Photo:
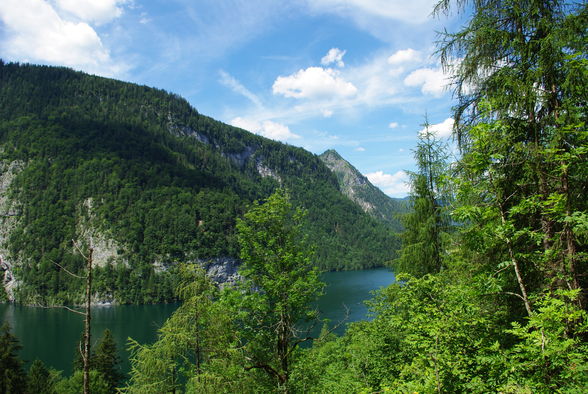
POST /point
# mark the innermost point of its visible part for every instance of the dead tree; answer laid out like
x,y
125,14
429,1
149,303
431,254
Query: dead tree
x,y
85,350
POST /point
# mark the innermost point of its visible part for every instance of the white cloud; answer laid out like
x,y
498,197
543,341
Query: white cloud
x,y
144,18
432,81
413,12
35,32
267,128
394,185
405,56
314,83
327,113
393,125
94,11
441,130
236,86
360,149
335,55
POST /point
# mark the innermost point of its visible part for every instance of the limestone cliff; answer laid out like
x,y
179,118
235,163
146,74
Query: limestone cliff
x,y
360,190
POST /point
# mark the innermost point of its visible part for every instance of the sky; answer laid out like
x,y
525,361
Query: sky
x,y
357,76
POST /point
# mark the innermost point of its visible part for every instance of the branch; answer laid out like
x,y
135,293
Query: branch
x,y
79,250
502,269
265,367
64,307
68,272
512,294
339,323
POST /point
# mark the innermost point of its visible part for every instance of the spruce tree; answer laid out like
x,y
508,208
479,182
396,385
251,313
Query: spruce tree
x,y
39,379
520,74
427,224
12,376
107,361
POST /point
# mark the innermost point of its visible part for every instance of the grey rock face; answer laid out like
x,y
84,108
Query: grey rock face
x,y
223,270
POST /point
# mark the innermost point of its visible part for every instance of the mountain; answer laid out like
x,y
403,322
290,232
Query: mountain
x,y
150,182
360,190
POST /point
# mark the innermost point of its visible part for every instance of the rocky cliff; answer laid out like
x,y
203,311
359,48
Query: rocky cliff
x,y
360,190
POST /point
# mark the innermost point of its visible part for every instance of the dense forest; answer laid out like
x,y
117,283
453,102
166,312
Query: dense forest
x,y
492,273
151,183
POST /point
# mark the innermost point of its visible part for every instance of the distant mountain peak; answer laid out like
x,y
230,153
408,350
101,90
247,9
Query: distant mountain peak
x,y
360,190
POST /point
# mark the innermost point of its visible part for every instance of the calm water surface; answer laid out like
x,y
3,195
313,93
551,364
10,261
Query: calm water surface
x,y
51,335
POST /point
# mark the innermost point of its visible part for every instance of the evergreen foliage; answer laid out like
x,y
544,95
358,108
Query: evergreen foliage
x,y
507,311
40,379
144,172
426,227
196,347
107,361
12,376
497,304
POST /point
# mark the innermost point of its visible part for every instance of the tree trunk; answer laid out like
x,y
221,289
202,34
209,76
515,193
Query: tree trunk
x,y
515,264
86,355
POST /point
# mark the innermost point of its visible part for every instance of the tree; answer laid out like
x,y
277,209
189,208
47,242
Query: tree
x,y
280,283
195,346
425,227
41,380
75,384
520,73
12,376
107,361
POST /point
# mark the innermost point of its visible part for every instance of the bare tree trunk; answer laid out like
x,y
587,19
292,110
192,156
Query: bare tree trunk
x,y
515,264
86,355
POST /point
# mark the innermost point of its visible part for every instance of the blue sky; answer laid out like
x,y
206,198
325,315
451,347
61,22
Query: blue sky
x,y
356,76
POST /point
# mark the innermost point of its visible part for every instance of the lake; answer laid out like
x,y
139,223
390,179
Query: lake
x,y
51,335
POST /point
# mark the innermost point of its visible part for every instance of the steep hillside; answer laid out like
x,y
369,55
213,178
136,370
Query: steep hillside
x,y
150,181
360,190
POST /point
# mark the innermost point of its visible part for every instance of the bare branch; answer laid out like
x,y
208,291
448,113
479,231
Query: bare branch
x,y
64,307
67,271
79,250
513,294
502,269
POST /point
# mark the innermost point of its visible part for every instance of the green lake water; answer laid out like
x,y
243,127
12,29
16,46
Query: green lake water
x,y
51,335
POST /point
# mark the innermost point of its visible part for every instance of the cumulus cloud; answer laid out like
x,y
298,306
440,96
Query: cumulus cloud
x,y
236,86
394,185
314,83
441,130
335,55
405,56
432,81
360,149
99,12
393,125
267,128
35,32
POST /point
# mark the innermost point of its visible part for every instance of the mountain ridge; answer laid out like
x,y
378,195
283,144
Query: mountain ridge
x,y
157,182
359,189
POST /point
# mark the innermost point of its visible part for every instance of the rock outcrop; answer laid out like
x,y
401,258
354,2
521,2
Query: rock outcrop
x,y
360,190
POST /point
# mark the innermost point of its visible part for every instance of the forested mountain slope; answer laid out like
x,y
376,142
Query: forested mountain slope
x,y
151,182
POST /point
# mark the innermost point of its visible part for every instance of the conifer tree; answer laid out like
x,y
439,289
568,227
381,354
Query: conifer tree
x,y
40,379
520,74
107,361
427,224
12,375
